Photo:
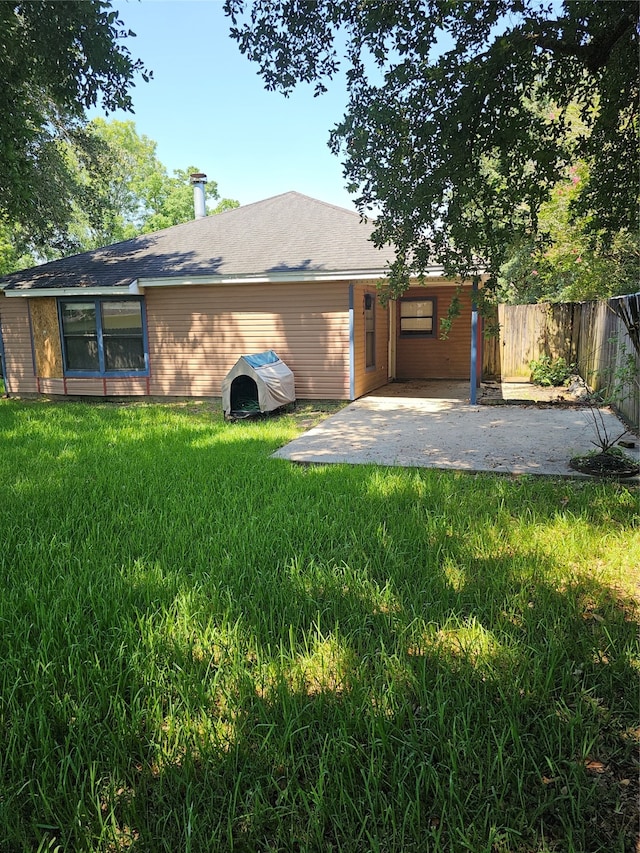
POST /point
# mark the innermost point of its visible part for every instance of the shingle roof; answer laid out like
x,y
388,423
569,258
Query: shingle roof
x,y
287,233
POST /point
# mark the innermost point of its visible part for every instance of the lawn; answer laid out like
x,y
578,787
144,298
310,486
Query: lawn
x,y
206,649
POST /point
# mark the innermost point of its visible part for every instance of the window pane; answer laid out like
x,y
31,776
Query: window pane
x,y
122,336
80,336
370,355
416,308
417,324
121,318
79,318
82,352
123,353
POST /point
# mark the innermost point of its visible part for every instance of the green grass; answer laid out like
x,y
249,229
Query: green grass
x,y
205,649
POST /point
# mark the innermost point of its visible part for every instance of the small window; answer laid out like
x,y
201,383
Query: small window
x,y
369,330
103,337
417,316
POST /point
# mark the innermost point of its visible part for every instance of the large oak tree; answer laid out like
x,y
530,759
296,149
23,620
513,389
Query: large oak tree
x,y
56,60
456,128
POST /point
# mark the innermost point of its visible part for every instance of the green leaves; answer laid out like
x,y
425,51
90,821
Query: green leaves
x,y
134,188
459,90
110,186
56,60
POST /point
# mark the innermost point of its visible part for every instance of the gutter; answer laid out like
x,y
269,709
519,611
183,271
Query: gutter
x,y
138,285
293,277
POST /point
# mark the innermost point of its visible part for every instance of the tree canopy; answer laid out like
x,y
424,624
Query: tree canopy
x,y
132,192
457,127
56,60
121,191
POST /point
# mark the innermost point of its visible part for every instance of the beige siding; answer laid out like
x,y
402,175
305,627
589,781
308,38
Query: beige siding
x,y
95,387
196,334
16,335
127,387
90,387
51,387
366,379
433,358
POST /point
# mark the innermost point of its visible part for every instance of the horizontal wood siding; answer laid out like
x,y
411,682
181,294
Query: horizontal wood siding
x,y
51,387
93,387
432,357
16,335
196,335
127,387
367,380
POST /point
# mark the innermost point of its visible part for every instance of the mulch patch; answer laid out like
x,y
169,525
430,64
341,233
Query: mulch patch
x,y
605,465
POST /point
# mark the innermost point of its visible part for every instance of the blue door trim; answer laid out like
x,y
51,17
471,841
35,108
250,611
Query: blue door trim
x,y
352,348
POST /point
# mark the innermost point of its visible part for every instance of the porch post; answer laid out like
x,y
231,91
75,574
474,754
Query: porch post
x,y
474,342
3,366
352,346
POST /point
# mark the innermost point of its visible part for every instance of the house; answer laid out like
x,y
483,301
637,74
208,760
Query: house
x,y
168,314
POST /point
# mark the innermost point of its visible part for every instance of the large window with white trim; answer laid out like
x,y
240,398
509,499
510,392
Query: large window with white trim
x,y
103,337
417,317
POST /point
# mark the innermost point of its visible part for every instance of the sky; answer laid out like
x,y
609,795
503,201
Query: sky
x,y
207,107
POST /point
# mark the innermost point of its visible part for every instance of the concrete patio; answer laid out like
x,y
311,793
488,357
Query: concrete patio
x,y
427,424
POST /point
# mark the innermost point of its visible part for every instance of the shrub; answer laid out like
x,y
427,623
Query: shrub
x,y
546,372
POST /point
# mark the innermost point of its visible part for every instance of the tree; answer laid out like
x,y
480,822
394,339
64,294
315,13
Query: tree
x,y
118,188
132,192
56,60
563,265
174,203
444,136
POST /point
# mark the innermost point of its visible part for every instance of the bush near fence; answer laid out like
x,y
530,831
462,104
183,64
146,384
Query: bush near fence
x,y
591,335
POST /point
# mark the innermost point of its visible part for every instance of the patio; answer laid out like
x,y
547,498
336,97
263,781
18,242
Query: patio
x,y
429,424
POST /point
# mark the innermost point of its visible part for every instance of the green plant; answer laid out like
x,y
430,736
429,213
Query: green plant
x,y
550,372
609,462
619,383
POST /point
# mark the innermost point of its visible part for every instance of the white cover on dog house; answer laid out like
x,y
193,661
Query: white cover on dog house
x,y
257,383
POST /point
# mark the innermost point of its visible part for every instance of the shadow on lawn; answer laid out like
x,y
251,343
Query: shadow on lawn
x,y
320,658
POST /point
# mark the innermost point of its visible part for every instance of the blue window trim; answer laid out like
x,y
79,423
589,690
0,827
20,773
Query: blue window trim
x,y
98,301
432,333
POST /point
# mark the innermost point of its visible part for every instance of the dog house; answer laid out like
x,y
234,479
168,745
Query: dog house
x,y
257,383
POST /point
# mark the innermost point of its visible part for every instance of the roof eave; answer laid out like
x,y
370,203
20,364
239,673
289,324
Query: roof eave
x,y
138,285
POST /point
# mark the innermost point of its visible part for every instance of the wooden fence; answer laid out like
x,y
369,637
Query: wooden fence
x,y
591,335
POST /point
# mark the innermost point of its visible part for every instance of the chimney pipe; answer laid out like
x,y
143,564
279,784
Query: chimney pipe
x,y
198,180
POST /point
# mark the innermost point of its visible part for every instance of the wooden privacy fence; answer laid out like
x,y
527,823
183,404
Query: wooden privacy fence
x,y
591,335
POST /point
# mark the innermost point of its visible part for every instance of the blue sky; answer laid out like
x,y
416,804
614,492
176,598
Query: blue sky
x,y
207,107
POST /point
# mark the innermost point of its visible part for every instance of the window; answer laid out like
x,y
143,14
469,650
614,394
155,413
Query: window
x,y
103,336
417,317
369,330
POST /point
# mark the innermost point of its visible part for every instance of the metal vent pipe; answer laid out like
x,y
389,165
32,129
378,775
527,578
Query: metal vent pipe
x,y
198,180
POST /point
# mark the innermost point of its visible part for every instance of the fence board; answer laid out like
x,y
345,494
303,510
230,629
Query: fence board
x,y
591,335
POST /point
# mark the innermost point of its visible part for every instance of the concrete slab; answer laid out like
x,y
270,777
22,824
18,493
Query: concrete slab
x,y
446,432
